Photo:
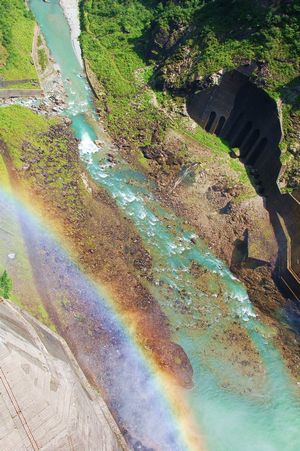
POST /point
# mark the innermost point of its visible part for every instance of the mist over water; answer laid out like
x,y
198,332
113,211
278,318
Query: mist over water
x,y
235,409
134,392
228,418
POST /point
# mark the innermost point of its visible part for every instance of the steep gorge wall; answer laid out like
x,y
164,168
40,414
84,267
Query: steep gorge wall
x,y
247,118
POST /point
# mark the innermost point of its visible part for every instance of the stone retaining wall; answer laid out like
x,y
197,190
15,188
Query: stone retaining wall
x,y
7,83
7,93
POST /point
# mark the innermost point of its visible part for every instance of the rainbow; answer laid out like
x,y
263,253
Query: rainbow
x,y
148,405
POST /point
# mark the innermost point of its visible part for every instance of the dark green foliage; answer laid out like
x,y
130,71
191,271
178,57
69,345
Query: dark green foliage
x,y
219,34
42,58
5,285
222,34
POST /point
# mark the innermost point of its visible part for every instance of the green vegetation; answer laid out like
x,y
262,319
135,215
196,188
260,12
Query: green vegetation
x,y
5,285
133,45
19,125
208,140
42,147
16,34
225,34
40,40
110,33
218,35
219,146
43,60
3,172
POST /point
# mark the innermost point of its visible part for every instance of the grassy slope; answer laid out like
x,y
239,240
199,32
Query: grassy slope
x,y
23,132
16,33
110,33
42,144
225,34
18,125
188,39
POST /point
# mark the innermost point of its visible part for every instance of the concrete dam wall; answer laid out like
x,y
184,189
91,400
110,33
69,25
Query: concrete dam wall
x,y
248,118
46,402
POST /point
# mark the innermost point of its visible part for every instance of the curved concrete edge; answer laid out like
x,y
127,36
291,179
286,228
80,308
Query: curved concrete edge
x,y
36,329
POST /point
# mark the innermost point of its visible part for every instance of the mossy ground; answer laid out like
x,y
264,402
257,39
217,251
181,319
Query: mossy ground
x,y
18,125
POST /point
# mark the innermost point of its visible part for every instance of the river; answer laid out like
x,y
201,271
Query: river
x,y
243,398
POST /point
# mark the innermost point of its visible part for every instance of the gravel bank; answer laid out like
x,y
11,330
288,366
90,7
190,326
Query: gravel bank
x,y
71,12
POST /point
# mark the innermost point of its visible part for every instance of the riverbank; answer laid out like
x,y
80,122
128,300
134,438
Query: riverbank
x,y
217,199
78,209
50,100
71,11
230,217
219,203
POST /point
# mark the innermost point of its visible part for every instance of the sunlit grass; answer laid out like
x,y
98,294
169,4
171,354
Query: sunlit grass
x,y
19,64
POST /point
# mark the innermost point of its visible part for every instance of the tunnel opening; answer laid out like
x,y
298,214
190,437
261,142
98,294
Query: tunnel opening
x,y
220,125
243,134
256,153
234,127
210,121
251,141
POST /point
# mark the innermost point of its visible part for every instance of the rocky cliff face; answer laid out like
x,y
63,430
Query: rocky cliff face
x,y
194,44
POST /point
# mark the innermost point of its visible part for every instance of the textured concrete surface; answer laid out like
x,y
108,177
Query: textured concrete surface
x,y
46,402
248,118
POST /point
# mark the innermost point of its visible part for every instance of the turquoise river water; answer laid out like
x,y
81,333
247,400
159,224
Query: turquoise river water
x,y
237,410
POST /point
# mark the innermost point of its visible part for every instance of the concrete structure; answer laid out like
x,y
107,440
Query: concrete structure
x,y
46,402
285,216
247,118
11,93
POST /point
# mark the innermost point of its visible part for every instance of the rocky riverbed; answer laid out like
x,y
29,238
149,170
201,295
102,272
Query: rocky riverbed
x,y
231,218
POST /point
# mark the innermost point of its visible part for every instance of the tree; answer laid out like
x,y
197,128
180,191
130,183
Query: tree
x,y
5,285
